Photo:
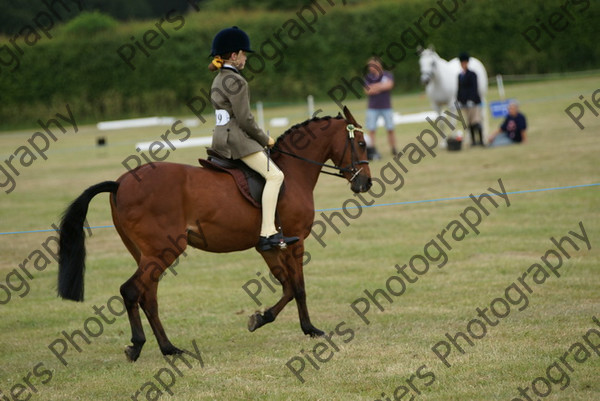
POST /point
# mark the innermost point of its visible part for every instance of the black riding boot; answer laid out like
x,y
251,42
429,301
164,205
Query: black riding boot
x,y
476,132
479,131
275,241
472,130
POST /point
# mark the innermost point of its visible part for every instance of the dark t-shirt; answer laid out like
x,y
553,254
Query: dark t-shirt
x,y
514,126
381,100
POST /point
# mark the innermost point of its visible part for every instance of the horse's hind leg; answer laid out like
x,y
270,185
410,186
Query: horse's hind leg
x,y
141,290
131,295
149,304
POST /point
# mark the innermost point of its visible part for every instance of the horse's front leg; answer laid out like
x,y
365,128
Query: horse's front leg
x,y
278,262
286,266
300,295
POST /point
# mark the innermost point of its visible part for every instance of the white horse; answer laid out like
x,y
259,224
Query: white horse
x,y
441,80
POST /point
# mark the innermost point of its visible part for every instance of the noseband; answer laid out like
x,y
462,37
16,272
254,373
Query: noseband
x,y
354,162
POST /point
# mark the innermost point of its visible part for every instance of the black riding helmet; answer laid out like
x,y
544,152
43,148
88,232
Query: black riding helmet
x,y
230,40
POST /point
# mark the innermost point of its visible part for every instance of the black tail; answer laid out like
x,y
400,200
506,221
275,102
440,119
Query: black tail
x,y
71,248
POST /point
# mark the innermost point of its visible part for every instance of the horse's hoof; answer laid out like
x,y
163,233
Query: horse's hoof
x,y
132,353
254,321
172,350
314,332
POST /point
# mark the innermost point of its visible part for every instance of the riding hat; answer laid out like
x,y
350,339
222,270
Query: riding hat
x,y
230,40
464,56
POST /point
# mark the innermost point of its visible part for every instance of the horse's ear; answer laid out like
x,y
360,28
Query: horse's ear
x,y
349,117
420,50
431,47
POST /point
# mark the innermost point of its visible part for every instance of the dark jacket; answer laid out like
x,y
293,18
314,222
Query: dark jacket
x,y
236,134
467,88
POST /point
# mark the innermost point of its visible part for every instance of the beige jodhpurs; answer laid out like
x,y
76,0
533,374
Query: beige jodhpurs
x,y
274,178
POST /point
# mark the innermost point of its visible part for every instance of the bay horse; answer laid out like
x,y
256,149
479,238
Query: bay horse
x,y
160,208
440,78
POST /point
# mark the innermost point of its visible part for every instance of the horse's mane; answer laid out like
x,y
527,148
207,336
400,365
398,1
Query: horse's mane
x,y
293,128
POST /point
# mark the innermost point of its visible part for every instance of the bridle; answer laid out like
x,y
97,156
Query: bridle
x,y
354,162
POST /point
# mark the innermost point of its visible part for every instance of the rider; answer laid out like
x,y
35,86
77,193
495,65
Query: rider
x,y
236,135
469,99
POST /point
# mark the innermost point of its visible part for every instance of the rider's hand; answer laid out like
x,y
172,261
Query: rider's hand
x,y
271,142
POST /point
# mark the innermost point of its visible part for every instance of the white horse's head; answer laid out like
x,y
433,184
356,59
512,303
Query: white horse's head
x,y
427,61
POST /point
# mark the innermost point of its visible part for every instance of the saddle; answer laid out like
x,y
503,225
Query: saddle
x,y
249,182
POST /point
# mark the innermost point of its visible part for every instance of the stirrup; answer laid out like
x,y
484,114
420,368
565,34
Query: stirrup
x,y
275,240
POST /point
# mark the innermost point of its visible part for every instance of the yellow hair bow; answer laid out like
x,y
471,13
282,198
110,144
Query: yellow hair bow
x,y
217,62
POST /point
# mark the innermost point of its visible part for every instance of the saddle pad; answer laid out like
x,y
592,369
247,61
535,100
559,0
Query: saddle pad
x,y
253,196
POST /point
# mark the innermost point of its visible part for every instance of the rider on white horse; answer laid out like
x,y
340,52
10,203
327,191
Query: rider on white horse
x,y
440,78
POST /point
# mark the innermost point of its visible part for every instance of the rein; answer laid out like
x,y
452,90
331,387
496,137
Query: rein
x,y
350,169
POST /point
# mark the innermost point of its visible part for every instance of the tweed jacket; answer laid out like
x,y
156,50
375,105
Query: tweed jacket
x,y
236,133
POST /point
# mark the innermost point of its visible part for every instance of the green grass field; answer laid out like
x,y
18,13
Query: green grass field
x,y
205,304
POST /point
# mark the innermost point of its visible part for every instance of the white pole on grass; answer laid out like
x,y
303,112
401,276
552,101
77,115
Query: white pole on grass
x,y
311,105
261,115
500,84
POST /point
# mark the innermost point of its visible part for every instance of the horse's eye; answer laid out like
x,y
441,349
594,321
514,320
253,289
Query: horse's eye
x,y
362,144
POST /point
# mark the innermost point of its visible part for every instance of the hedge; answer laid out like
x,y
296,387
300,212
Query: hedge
x,y
82,67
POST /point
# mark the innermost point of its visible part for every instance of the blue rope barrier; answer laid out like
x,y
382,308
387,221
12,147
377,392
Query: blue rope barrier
x,y
365,206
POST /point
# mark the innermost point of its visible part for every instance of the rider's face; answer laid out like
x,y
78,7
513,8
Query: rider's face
x,y
239,59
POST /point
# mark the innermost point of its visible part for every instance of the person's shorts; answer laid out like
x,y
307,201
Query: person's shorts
x,y
473,114
374,114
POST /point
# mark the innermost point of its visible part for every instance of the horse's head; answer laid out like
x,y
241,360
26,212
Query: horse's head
x,y
349,152
427,62
339,139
